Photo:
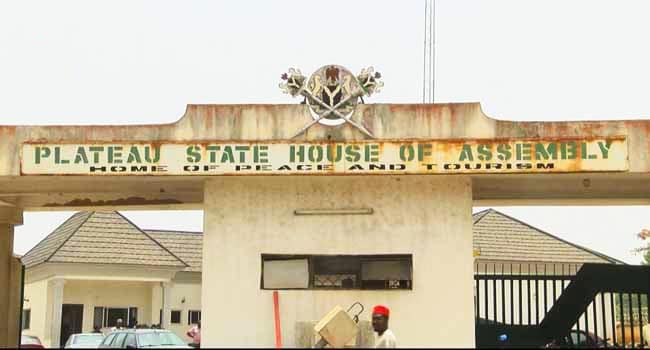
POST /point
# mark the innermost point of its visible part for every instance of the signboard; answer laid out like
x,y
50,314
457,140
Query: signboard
x,y
349,158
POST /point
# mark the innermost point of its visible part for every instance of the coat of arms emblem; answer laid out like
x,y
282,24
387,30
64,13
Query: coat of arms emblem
x,y
332,93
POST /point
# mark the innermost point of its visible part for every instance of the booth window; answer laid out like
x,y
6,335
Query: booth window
x,y
378,272
193,317
176,317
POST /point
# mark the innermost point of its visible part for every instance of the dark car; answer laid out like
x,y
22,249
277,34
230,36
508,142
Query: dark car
x,y
491,334
143,339
579,339
30,342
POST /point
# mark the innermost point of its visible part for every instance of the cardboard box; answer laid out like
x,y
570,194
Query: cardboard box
x,y
337,328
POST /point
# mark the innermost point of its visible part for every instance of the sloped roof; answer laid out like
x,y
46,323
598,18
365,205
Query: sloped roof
x,y
186,245
101,237
478,216
107,237
498,236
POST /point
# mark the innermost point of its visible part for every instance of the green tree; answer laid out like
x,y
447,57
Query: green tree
x,y
645,251
624,298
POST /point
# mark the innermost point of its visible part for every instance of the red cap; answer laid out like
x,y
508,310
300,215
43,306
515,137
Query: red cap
x,y
380,309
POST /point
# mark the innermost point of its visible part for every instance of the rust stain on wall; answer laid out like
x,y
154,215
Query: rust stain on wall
x,y
87,202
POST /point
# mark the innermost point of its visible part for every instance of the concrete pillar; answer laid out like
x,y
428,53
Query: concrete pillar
x,y
156,303
15,302
429,217
9,281
167,301
56,302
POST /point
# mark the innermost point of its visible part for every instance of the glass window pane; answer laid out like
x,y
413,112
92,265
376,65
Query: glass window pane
x,y
114,315
193,317
386,270
27,316
286,273
151,339
98,317
119,339
133,317
176,316
330,265
88,339
130,340
108,339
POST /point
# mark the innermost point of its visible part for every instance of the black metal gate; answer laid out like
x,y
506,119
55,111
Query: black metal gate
x,y
532,305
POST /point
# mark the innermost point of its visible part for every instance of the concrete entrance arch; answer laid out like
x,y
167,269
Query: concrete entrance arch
x,y
406,185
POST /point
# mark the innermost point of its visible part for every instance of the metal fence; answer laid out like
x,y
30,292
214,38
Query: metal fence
x,y
512,295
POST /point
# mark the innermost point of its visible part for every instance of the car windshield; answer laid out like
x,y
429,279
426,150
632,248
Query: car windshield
x,y
28,340
580,338
159,339
88,339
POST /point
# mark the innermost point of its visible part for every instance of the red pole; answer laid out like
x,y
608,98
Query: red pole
x,y
276,309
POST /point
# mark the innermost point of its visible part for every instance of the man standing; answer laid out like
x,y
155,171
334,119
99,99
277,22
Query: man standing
x,y
386,337
119,325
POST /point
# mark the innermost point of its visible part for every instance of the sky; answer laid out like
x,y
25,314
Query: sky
x,y
141,62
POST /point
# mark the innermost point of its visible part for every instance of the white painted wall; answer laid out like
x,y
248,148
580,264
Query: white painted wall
x,y
185,296
42,299
188,288
427,216
113,294
36,300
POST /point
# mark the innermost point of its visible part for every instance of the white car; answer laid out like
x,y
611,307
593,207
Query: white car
x,y
143,339
84,341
